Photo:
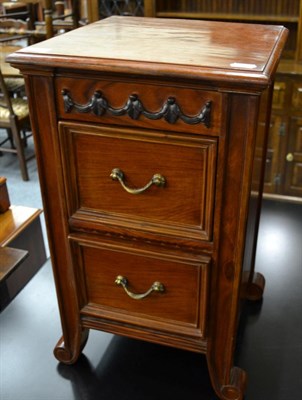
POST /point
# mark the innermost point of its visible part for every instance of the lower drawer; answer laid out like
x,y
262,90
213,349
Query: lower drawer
x,y
142,286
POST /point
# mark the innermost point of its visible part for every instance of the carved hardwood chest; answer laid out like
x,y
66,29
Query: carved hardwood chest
x,y
145,131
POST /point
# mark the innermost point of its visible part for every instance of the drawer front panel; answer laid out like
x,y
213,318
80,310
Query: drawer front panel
x,y
183,205
182,301
142,105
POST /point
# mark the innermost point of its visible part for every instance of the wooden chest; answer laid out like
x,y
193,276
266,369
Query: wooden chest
x,y
145,131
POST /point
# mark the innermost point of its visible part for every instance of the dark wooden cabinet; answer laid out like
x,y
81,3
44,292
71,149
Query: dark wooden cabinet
x,y
293,170
283,176
151,156
287,109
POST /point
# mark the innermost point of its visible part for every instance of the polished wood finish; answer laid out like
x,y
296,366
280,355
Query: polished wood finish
x,y
14,221
274,12
180,309
10,259
283,177
196,234
190,160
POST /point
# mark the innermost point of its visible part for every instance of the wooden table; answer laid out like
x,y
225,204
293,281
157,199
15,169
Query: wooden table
x,y
10,259
15,221
20,237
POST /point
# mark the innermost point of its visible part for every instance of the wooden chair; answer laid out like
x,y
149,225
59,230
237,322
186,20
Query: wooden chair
x,y
21,25
14,119
15,86
12,9
12,29
59,17
26,11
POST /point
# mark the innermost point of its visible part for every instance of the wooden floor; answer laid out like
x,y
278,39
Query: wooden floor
x,y
114,368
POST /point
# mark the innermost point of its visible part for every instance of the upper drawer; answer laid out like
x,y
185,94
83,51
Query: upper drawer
x,y
140,104
143,180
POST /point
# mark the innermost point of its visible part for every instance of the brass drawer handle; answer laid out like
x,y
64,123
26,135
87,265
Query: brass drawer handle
x,y
157,179
156,287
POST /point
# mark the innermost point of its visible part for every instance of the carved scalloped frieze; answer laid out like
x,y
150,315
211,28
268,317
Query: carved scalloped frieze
x,y
134,108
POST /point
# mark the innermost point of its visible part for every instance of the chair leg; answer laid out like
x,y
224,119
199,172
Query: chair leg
x,y
10,138
20,151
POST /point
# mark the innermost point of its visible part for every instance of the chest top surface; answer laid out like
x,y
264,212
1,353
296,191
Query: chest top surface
x,y
164,46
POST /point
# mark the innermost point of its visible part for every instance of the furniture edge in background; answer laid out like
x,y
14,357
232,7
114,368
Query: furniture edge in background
x,y
22,245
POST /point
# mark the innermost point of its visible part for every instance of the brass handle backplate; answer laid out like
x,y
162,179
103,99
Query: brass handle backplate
x,y
156,287
157,180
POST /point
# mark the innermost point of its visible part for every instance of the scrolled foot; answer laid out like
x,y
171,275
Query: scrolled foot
x,y
235,390
231,387
255,288
70,355
63,354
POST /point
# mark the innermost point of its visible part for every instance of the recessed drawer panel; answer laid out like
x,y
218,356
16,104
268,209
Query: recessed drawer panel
x,y
143,286
140,104
148,181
